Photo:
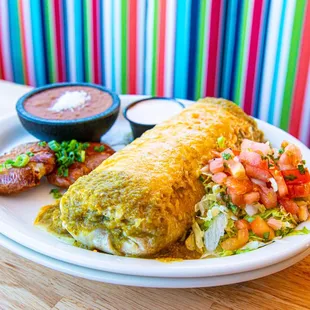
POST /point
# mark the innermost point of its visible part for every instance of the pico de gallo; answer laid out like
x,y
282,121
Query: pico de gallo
x,y
254,196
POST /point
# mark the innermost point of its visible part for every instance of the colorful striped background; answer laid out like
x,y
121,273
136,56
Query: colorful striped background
x,y
255,52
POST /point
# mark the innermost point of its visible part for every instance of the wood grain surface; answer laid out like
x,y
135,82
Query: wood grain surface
x,y
26,285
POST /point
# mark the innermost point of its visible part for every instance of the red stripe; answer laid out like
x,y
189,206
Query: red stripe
x,y
301,80
23,44
252,60
132,57
213,47
58,43
96,40
161,48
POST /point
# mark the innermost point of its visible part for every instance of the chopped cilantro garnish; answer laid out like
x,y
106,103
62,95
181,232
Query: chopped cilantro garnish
x,y
301,169
201,178
30,154
226,156
281,151
99,149
290,177
42,143
56,193
221,142
266,235
233,208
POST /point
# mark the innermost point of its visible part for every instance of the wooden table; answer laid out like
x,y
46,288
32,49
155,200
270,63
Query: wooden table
x,y
26,285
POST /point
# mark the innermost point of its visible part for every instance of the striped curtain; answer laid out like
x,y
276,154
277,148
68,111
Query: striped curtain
x,y
255,52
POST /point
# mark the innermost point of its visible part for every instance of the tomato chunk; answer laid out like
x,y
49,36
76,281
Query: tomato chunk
x,y
277,174
289,205
261,229
232,244
236,199
242,224
274,223
253,159
290,158
239,187
261,148
216,165
294,176
299,190
251,197
236,169
219,178
268,197
257,173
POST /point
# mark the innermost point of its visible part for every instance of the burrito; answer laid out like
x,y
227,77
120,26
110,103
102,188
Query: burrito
x,y
142,199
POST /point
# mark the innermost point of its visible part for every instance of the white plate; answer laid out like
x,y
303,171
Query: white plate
x,y
18,212
121,279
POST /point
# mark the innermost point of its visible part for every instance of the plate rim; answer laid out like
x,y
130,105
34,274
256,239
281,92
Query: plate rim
x,y
157,269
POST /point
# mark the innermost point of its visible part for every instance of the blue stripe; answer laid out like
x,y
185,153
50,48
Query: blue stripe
x,y
15,43
277,64
193,49
229,48
79,40
182,48
262,50
38,42
236,50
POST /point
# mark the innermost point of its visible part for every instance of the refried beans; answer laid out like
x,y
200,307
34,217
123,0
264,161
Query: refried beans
x,y
41,104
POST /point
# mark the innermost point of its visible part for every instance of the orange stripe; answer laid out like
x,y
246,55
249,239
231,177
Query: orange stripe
x,y
23,42
301,80
161,48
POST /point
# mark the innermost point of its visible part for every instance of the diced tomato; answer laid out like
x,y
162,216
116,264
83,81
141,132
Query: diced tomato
x,y
295,177
253,159
219,178
299,190
274,224
277,174
239,186
303,213
242,224
290,158
236,169
289,205
261,228
261,148
236,199
232,244
257,173
216,165
251,197
268,197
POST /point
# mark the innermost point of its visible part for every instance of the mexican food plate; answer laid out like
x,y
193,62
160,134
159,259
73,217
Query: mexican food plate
x,y
142,194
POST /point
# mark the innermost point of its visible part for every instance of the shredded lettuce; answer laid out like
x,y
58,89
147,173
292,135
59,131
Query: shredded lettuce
x,y
296,232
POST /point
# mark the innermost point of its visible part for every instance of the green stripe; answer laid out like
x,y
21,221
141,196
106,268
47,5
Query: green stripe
x,y
292,63
87,34
51,49
124,43
155,49
201,41
237,93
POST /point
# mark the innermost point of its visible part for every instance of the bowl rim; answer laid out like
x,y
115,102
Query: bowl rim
x,y
21,111
125,110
